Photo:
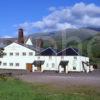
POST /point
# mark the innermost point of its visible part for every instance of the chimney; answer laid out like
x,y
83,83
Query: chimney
x,y
20,36
39,43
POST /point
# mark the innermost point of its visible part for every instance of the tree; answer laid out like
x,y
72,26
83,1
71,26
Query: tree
x,y
1,54
7,42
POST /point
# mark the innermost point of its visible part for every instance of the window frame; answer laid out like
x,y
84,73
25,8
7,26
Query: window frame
x,y
11,64
17,64
24,53
17,53
30,53
74,68
4,64
53,65
11,54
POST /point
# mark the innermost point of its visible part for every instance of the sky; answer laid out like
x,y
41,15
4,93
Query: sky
x,y
47,15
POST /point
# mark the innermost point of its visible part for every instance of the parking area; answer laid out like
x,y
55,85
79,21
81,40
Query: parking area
x,y
63,80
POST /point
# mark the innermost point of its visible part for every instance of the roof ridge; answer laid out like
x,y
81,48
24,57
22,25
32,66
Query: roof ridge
x,y
75,51
51,49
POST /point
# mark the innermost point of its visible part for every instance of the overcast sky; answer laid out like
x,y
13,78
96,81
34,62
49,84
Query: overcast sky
x,y
47,15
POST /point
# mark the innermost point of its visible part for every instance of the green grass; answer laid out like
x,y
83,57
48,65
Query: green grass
x,y
12,89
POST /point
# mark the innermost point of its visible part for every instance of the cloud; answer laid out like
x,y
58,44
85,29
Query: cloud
x,y
6,36
52,8
78,15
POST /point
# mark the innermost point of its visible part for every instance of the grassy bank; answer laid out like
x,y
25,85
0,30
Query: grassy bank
x,y
12,89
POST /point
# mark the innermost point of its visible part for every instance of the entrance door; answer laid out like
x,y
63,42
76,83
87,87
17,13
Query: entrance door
x,y
38,65
39,68
29,67
64,64
64,69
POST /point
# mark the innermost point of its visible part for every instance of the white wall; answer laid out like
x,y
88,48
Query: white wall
x,y
50,62
73,61
22,60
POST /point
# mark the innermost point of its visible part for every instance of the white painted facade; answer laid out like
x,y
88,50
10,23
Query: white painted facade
x,y
18,56
52,63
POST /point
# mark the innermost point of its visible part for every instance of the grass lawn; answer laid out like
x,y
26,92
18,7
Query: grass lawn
x,y
12,89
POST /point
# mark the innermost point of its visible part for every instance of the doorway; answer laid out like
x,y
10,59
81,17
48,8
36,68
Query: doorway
x,y
38,65
64,64
29,67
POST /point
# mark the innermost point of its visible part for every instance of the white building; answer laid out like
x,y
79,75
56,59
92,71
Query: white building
x,y
17,57
24,57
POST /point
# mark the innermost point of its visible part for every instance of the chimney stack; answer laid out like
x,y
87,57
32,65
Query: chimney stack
x,y
20,36
39,43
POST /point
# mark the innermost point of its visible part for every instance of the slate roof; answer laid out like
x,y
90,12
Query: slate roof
x,y
48,52
68,52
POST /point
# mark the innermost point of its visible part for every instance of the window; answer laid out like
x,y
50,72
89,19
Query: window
x,y
4,64
17,54
11,64
75,57
30,53
38,57
11,54
5,54
17,64
53,65
24,53
50,57
0,62
62,57
47,65
74,68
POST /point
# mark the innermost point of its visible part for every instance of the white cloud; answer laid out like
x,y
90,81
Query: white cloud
x,y
78,15
91,21
6,36
52,8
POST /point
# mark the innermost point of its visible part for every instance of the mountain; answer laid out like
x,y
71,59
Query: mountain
x,y
59,36
62,38
7,41
82,34
94,28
